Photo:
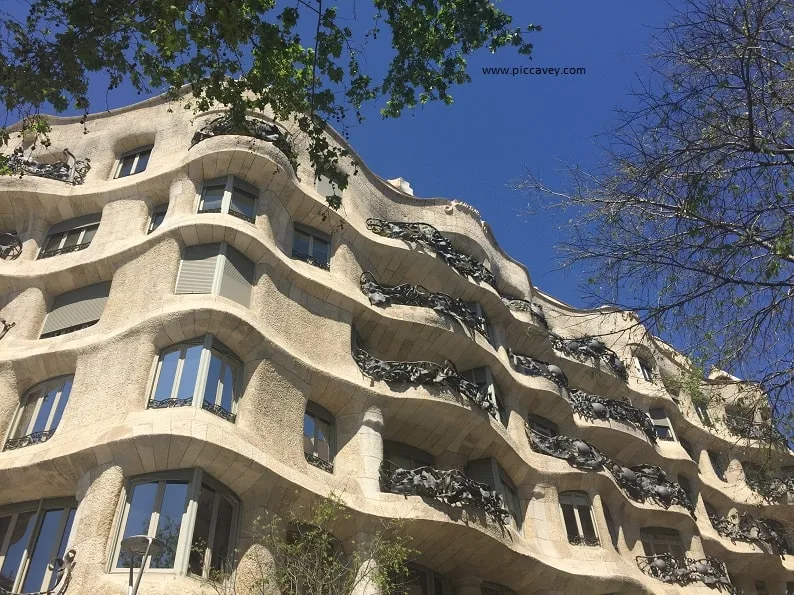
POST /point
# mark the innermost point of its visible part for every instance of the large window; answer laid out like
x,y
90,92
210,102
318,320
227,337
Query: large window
x,y
578,518
133,162
31,535
312,246
70,236
76,310
661,424
158,215
644,367
404,456
660,540
717,465
489,472
423,581
318,437
541,425
702,410
477,308
39,413
484,380
217,269
229,195
200,373
194,515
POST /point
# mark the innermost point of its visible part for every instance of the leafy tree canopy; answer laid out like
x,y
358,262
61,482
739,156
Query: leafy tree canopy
x,y
302,59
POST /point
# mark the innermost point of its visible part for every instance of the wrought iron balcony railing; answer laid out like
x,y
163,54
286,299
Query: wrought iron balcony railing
x,y
770,487
430,238
534,367
595,407
592,348
34,438
313,459
578,453
416,295
71,170
669,569
425,373
218,410
64,250
61,569
10,246
751,530
448,487
311,260
6,326
187,402
584,540
535,310
764,431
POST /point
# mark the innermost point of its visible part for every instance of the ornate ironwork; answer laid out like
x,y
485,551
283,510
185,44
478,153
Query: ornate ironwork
x,y
648,482
430,238
242,216
534,367
578,453
449,487
416,295
751,530
592,348
521,305
170,403
313,459
64,250
584,540
34,438
61,569
311,260
595,407
771,488
425,373
253,127
669,569
10,246
751,430
219,411
71,170
7,326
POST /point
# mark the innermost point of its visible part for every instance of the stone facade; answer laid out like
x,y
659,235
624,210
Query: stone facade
x,y
474,398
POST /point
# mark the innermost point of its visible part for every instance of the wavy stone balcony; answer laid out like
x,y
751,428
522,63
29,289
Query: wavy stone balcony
x,y
424,374
669,569
534,367
751,530
590,348
592,407
534,309
71,170
448,487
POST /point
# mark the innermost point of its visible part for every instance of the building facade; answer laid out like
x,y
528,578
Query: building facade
x,y
191,339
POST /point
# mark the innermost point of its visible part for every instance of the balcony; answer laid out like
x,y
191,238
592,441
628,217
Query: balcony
x,y
416,295
746,427
188,402
10,246
71,170
448,487
669,569
30,439
590,348
593,407
577,453
425,374
534,367
64,250
429,238
534,309
751,530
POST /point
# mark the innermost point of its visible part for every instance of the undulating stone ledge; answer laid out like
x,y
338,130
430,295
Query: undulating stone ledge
x,y
593,407
669,569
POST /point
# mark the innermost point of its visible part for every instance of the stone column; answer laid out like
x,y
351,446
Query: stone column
x,y
365,584
370,439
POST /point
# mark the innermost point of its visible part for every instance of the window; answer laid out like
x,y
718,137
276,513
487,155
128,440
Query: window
x,y
661,424
687,487
31,535
611,527
541,425
423,581
229,195
194,515
158,214
760,588
702,410
76,310
477,308
39,413
484,380
578,518
312,246
644,368
218,269
687,446
711,512
318,437
716,464
404,456
70,236
133,163
660,540
200,373
489,472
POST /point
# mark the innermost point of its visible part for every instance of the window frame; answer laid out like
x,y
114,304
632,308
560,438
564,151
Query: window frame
x,y
488,383
209,346
415,456
511,497
42,388
313,235
157,210
431,578
662,536
477,308
216,285
644,367
320,413
662,422
717,465
543,426
88,223
194,478
702,411
575,499
230,184
136,153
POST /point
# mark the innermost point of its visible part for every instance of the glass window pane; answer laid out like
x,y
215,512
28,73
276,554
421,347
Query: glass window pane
x,y
47,401
300,244
53,242
242,202
586,520
157,219
126,165
223,533
323,444
65,390
20,537
211,198
62,547
308,433
320,251
89,234
213,379
570,521
139,517
26,416
167,376
227,395
143,160
48,539
201,531
170,523
190,365
72,238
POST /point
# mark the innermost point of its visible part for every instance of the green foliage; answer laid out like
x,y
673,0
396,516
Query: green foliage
x,y
248,55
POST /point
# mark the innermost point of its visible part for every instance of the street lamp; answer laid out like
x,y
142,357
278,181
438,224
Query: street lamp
x,y
143,546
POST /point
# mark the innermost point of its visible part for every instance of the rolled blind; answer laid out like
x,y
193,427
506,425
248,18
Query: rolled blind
x,y
74,223
237,276
198,269
78,307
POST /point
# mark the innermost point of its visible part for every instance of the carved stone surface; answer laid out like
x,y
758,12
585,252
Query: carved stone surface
x,y
61,569
71,170
751,430
595,407
34,438
10,246
416,295
430,238
253,127
6,326
449,487
534,309
578,453
669,569
593,348
313,459
534,367
648,482
424,373
751,530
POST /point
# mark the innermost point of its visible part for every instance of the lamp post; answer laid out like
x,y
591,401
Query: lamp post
x,y
143,546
